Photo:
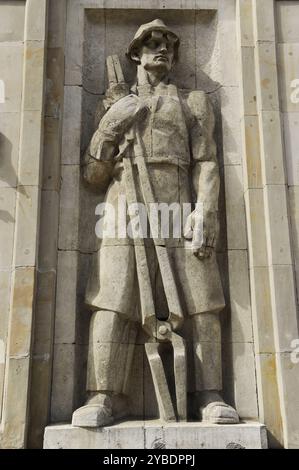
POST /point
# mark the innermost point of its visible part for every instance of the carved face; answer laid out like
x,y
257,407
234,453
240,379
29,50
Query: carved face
x,y
157,52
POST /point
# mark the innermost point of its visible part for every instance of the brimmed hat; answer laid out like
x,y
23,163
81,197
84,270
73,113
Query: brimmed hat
x,y
144,30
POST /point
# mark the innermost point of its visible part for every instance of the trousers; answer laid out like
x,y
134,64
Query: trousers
x,y
112,343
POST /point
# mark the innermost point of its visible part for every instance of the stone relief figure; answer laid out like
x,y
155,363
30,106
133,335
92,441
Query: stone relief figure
x,y
155,144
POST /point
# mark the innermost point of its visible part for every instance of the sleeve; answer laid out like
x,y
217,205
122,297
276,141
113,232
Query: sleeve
x,y
203,146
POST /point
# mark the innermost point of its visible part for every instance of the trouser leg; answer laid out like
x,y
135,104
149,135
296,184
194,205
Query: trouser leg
x,y
111,347
206,330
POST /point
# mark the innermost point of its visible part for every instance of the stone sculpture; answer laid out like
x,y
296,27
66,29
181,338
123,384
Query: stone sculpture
x,y
155,144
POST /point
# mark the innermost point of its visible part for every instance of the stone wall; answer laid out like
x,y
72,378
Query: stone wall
x,y
232,49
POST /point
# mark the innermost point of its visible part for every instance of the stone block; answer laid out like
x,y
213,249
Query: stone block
x,y
287,21
63,383
240,318
235,208
35,20
294,215
231,127
57,23
44,315
51,160
48,238
277,225
9,142
139,435
74,44
33,90
264,23
54,83
283,297
251,153
267,84
256,227
288,69
248,89
272,157
30,148
27,222
244,20
66,297
228,41
23,288
12,21
71,131
244,380
262,310
7,222
11,66
69,207
291,140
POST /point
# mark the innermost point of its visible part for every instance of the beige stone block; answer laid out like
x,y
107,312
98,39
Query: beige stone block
x,y
23,287
48,237
35,20
9,142
69,207
51,156
57,23
245,23
7,221
44,316
251,151
272,157
294,215
244,380
248,91
33,90
287,21
267,84
269,402
11,66
63,383
30,148
235,208
290,386
277,225
264,24
288,70
231,126
71,130
39,395
240,308
228,42
5,280
15,405
88,240
262,310
97,33
291,141
74,44
284,304
256,230
12,21
54,83
27,222
66,297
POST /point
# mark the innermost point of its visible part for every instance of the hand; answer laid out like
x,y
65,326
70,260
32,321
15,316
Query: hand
x,y
202,228
114,93
122,115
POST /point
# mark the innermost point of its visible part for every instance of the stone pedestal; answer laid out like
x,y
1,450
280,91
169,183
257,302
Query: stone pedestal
x,y
155,435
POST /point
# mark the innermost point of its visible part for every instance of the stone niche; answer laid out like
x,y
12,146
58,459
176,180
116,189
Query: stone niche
x,y
207,62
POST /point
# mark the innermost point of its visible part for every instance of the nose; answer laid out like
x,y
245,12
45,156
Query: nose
x,y
162,47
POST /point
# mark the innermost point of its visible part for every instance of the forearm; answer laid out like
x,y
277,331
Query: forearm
x,y
206,183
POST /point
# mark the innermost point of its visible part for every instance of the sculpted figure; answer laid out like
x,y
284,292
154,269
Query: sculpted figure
x,y
155,144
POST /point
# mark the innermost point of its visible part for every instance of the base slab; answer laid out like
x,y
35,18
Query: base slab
x,y
157,435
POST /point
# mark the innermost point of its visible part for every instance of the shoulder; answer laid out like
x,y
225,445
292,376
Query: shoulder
x,y
199,104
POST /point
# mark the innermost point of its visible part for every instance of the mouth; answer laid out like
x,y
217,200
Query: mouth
x,y
162,58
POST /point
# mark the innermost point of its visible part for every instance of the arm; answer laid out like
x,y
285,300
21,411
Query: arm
x,y
205,175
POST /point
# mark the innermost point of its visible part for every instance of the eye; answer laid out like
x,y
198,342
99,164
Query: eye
x,y
151,44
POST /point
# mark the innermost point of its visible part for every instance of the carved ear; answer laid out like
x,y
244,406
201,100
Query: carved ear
x,y
135,57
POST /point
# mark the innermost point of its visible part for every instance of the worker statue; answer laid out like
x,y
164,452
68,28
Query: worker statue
x,y
154,145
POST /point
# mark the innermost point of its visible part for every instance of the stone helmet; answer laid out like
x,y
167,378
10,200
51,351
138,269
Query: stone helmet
x,y
144,30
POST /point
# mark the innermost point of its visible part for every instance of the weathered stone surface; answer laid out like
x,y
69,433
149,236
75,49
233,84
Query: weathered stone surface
x,y
12,21
291,139
153,435
9,139
11,64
